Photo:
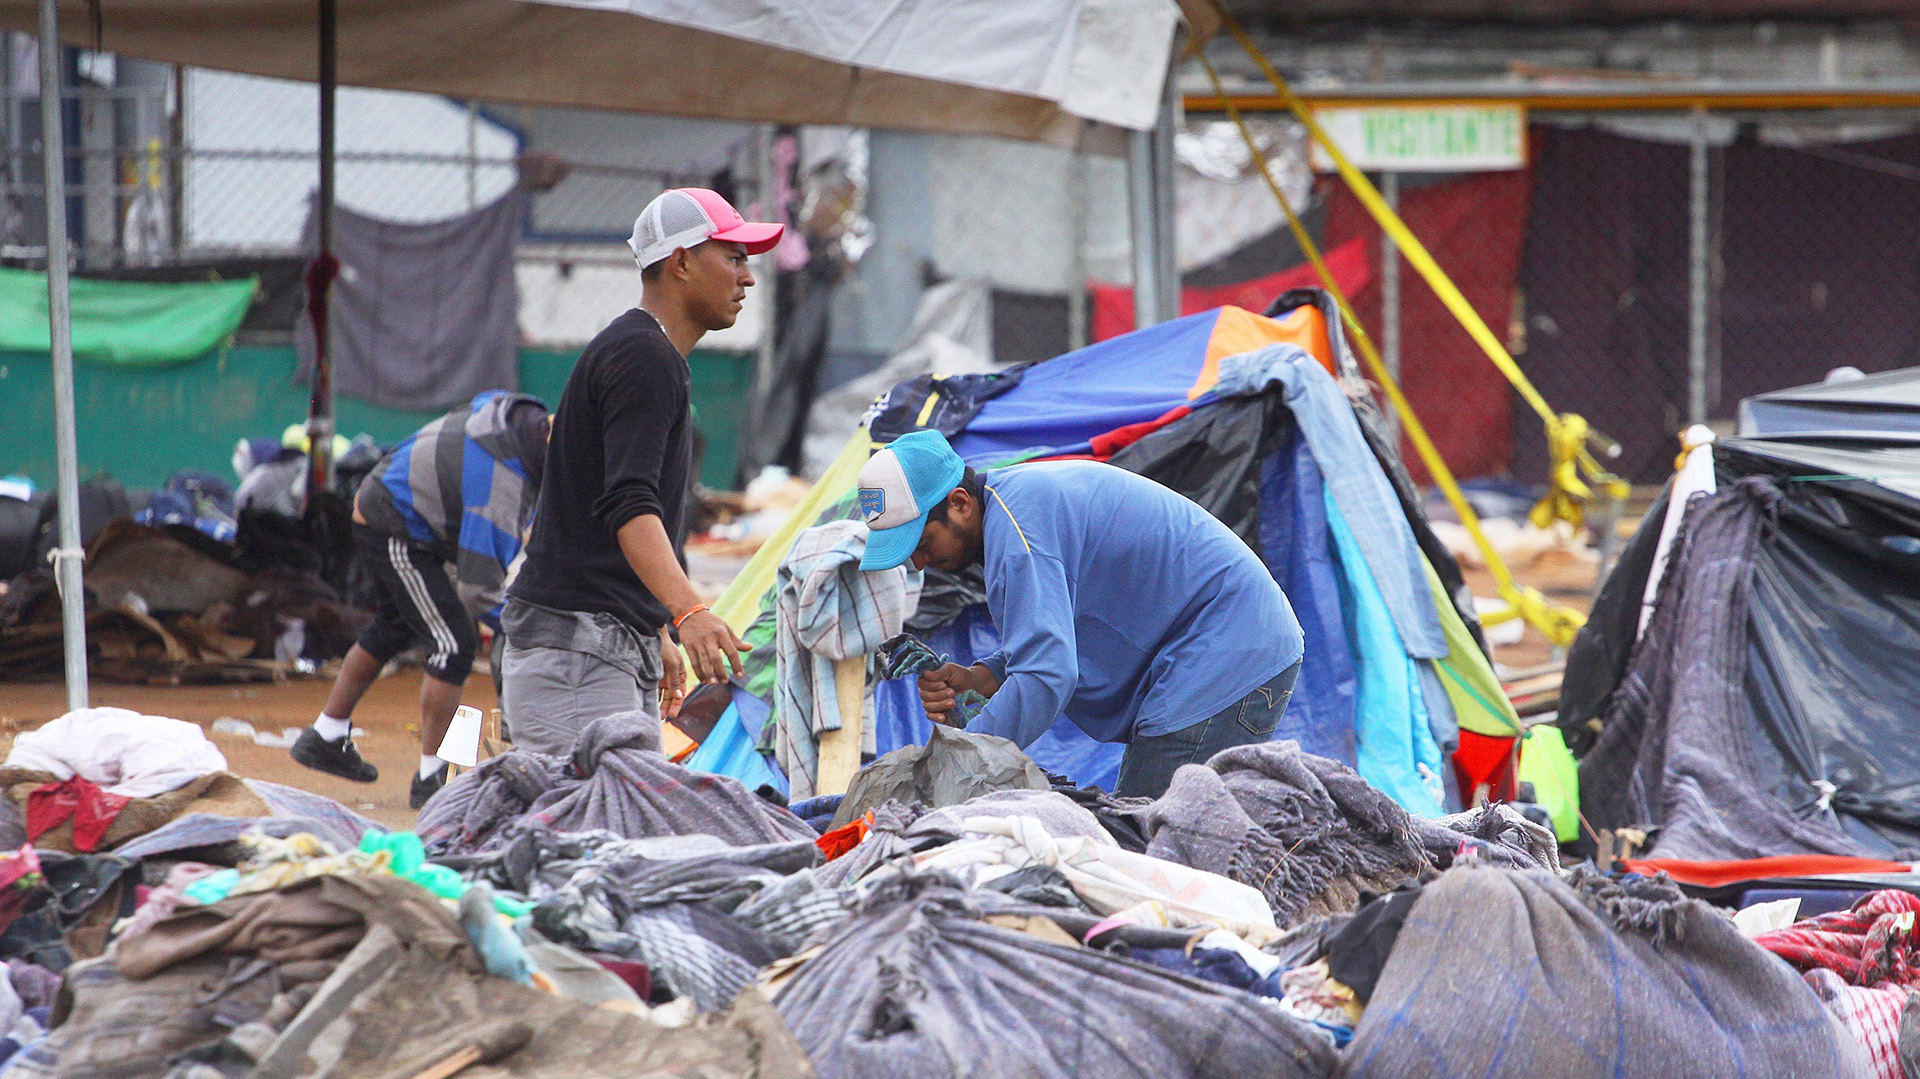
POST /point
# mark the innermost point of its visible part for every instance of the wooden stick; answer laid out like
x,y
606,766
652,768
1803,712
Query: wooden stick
x,y
839,753
452,1065
494,1042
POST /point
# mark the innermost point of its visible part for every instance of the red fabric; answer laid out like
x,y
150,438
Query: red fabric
x,y
1350,263
636,975
1718,874
1105,446
19,878
91,810
1485,759
841,840
1873,1015
1871,945
1474,228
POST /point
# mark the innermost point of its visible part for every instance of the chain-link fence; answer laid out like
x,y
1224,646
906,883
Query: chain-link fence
x,y
1647,270
207,165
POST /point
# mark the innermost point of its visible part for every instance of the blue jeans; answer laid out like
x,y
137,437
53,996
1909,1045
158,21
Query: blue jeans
x,y
1150,761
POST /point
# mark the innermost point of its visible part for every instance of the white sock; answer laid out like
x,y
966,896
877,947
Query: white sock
x,y
430,765
333,729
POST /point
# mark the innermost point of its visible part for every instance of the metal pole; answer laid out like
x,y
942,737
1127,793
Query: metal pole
x,y
177,162
1076,251
1140,214
768,280
473,156
1156,278
320,276
1697,273
1390,296
66,557
7,103
1605,522
1166,257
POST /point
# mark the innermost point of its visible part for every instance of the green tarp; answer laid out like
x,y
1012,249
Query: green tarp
x,y
127,323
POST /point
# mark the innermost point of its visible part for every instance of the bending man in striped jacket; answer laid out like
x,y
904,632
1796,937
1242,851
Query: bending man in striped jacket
x,y
436,524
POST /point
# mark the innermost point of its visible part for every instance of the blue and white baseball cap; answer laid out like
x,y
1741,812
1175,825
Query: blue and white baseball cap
x,y
898,486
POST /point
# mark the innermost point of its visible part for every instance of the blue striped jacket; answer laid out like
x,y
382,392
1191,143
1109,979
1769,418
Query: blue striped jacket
x,y
465,486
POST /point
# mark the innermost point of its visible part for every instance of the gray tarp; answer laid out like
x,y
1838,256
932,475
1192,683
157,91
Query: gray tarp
x,y
919,988
1512,974
952,767
423,316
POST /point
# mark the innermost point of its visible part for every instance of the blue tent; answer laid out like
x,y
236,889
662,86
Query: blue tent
x,y
1392,665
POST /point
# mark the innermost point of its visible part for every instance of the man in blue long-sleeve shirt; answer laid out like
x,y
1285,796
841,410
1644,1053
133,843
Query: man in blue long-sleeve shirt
x,y
1121,605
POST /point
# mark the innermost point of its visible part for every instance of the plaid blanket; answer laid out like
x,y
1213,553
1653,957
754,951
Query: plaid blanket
x,y
1873,1015
1863,963
826,608
1870,945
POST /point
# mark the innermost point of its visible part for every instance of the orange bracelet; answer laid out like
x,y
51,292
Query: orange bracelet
x,y
691,611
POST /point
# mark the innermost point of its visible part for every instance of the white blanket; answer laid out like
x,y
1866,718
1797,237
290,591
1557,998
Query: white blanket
x,y
121,750
1106,877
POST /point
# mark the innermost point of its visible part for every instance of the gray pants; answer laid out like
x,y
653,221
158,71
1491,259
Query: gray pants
x,y
553,693
563,670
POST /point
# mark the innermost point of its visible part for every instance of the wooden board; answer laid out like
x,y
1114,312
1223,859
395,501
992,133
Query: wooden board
x,y
840,750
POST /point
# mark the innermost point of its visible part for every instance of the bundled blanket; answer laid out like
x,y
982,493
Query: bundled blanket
x,y
918,987
1514,973
702,916
609,783
1310,834
1681,749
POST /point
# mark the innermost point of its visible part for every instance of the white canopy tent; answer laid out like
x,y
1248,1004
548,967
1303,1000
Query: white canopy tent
x,y
1025,69
1066,72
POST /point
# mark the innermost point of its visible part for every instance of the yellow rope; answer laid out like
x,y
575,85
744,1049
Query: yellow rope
x,y
1566,434
1557,623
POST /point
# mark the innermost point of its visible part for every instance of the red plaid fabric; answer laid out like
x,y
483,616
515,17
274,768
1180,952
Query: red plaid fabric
x,y
1873,1015
1860,963
1872,944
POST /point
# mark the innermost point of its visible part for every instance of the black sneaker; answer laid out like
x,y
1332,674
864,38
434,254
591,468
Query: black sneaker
x,y
334,758
425,787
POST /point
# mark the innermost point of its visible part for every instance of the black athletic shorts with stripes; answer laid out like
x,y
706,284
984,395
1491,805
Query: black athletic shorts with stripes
x,y
417,601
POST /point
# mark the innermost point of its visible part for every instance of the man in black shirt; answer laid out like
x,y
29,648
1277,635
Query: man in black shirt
x,y
590,618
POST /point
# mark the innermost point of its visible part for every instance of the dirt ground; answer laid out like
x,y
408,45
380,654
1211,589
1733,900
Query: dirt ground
x,y
390,715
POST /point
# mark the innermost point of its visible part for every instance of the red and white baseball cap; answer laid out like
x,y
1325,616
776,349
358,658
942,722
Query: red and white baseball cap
x,y
686,216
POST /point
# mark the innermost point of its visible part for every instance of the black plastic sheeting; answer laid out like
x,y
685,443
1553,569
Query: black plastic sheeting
x,y
1215,457
1598,658
1831,639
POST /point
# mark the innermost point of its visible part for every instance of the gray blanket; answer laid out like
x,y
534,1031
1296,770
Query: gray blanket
x,y
1504,974
609,783
918,988
1308,831
703,917
1679,750
423,316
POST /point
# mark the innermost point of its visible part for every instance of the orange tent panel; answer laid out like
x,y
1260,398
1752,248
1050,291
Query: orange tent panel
x,y
1238,330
